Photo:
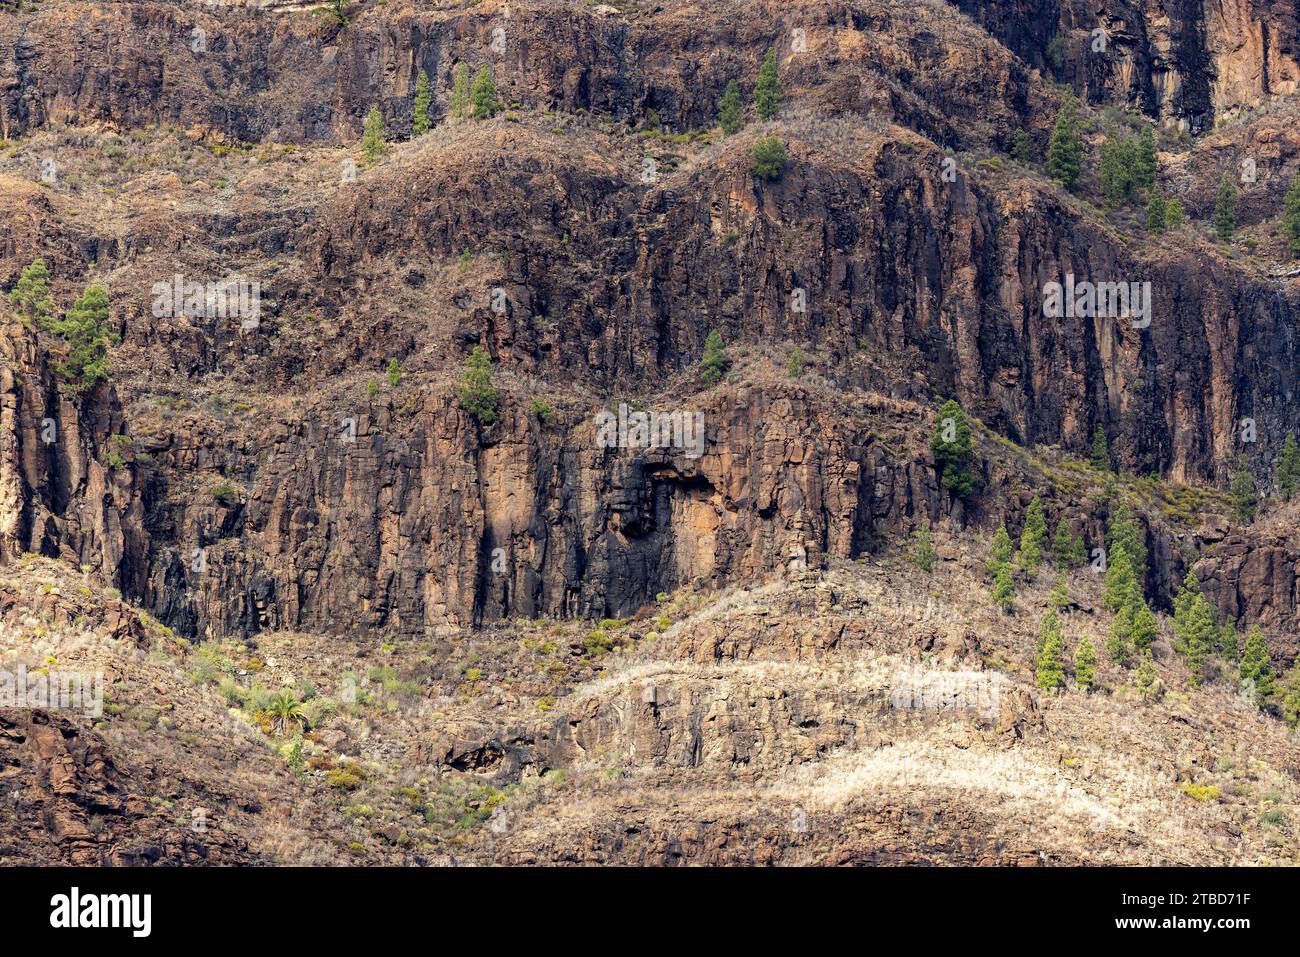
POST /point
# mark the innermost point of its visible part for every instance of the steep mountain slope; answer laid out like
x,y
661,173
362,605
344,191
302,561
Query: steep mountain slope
x,y
593,300
272,489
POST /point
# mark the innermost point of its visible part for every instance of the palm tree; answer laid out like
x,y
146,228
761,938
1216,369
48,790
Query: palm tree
x,y
283,709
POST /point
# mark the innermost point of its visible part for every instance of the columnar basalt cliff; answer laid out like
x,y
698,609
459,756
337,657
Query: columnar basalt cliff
x,y
61,496
938,286
254,72
1188,62
288,77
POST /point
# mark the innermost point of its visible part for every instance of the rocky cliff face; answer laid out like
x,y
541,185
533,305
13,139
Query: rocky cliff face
x,y
269,75
74,805
265,484
61,495
426,520
256,71
400,512
1187,62
1252,576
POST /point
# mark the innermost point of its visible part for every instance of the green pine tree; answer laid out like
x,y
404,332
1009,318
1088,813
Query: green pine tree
x,y
1195,636
767,91
421,123
1061,543
770,157
1196,627
483,95
1227,642
1174,213
794,367
1145,626
1185,598
1288,468
372,139
1099,458
85,328
1120,584
1225,209
923,548
1109,490
1067,548
1244,497
393,372
1291,216
1055,51
1120,643
459,106
1000,551
1117,169
1085,664
1078,553
477,394
1004,589
1156,211
730,109
1289,696
714,362
953,450
1149,686
1050,672
1145,162
1033,538
31,296
1124,530
1065,148
1022,147
1256,670
1060,594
